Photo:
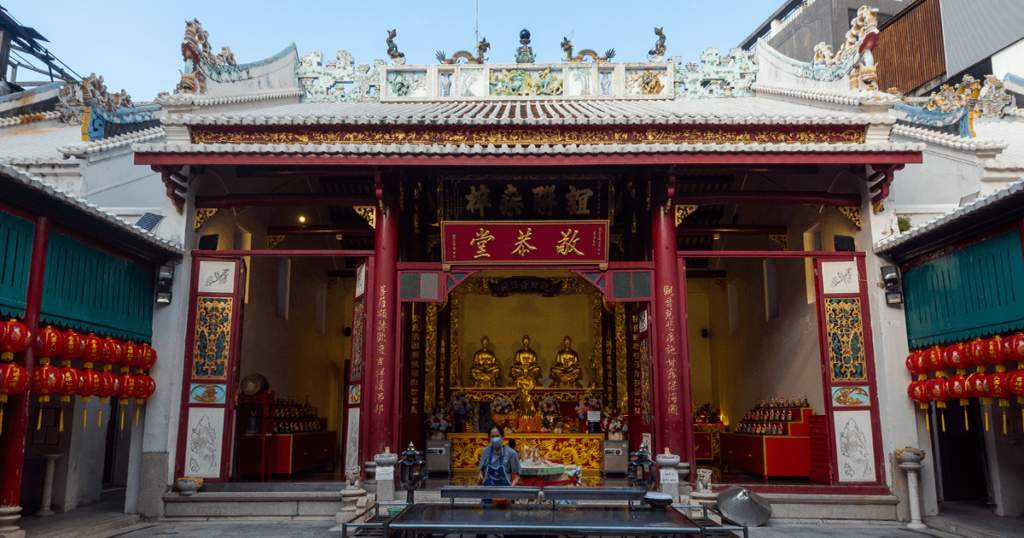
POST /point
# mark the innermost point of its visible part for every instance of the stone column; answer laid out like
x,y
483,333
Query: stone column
x,y
51,459
385,472
910,461
12,442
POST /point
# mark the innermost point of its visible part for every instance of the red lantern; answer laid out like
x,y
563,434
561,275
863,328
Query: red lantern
x,y
108,385
992,352
956,387
934,359
1013,348
17,338
95,349
147,357
979,386
975,353
132,356
114,355
1000,382
937,391
74,380
129,388
918,391
15,380
146,388
955,356
90,384
74,346
46,380
49,343
1015,384
915,363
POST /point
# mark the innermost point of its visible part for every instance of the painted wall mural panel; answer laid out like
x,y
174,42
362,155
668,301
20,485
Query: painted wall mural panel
x,y
212,338
845,331
352,439
855,446
216,277
204,442
840,277
207,393
851,396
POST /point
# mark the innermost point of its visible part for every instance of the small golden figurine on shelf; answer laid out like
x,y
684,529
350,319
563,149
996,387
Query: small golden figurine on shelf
x,y
525,364
566,373
485,371
525,385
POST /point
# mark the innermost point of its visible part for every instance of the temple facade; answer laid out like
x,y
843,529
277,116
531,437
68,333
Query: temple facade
x,y
687,256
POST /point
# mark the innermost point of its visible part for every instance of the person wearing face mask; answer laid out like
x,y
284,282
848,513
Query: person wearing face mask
x,y
499,464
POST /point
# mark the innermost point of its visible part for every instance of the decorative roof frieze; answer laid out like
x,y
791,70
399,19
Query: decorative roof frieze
x,y
716,76
961,103
950,141
87,148
203,67
339,81
28,118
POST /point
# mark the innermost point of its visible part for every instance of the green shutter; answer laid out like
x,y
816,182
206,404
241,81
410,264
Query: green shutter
x,y
93,291
975,291
15,258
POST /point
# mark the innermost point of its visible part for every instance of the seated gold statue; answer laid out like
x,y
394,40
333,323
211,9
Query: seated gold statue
x,y
525,384
485,371
525,364
566,372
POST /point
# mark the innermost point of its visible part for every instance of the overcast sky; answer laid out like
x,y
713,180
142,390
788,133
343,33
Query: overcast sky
x,y
136,45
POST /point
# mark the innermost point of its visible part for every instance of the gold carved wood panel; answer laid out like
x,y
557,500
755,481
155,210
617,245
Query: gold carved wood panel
x,y
845,339
211,350
584,450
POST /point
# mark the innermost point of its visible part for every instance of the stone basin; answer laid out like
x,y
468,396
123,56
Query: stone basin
x,y
546,470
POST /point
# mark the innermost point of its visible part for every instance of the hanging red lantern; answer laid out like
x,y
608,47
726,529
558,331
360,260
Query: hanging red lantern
x,y
95,349
90,384
17,338
956,387
114,354
1015,384
937,391
3,331
915,363
975,354
979,386
49,343
992,352
46,380
1013,348
147,357
132,356
74,346
74,380
918,391
129,387
934,359
146,388
955,356
15,380
108,385
1000,382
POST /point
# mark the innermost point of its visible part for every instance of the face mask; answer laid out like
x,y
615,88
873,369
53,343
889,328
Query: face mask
x,y
495,442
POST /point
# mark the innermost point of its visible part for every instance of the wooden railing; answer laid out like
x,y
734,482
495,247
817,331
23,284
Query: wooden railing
x,y
910,50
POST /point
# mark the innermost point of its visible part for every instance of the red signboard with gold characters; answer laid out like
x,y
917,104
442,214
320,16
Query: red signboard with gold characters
x,y
525,243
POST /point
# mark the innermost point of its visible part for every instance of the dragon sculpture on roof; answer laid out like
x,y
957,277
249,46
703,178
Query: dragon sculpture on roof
x,y
862,37
196,48
397,58
567,47
658,52
481,49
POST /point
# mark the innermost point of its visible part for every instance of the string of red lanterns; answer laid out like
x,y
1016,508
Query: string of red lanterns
x,y
67,381
1000,385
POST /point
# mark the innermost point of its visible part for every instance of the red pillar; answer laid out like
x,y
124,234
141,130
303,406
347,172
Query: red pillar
x,y
12,443
670,341
380,407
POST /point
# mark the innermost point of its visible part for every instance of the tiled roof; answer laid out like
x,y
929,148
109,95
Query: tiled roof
x,y
952,141
28,118
41,143
29,180
735,111
85,148
425,149
1013,190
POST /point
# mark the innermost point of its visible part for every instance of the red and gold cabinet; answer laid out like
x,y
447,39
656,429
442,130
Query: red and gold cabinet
x,y
771,455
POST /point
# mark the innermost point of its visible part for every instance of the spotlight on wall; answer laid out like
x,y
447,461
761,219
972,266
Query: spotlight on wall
x,y
302,219
164,282
893,285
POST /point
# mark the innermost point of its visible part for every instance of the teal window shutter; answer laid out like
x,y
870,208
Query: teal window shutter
x,y
15,258
977,291
92,291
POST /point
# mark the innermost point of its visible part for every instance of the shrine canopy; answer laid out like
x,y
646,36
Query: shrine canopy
x,y
736,108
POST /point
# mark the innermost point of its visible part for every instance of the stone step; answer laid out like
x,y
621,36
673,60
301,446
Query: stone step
x,y
307,505
826,507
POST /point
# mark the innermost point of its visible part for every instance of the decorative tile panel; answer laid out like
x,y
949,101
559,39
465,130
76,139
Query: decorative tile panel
x,y
854,446
845,339
207,393
212,339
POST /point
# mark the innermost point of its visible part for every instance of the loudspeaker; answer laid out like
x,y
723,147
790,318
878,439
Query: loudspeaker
x,y
844,243
209,242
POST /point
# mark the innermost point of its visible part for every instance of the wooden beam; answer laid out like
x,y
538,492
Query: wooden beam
x,y
319,230
769,198
284,253
684,171
735,229
282,200
704,273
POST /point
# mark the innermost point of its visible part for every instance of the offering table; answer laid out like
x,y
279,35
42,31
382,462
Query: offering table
x,y
581,449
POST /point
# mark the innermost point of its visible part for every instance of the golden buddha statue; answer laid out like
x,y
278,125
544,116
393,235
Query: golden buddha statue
x,y
525,384
566,372
525,364
485,371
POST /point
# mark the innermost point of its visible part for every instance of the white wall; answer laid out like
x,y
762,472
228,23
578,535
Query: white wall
x,y
1009,60
701,382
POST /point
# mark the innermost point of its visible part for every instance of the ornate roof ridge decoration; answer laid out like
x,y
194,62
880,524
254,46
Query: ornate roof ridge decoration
x,y
524,54
180,99
203,65
731,75
950,141
77,102
583,54
397,58
657,53
852,97
322,82
30,180
28,118
96,146
542,150
962,103
1015,189
39,161
481,49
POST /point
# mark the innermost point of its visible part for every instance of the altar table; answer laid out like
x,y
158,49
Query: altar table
x,y
584,450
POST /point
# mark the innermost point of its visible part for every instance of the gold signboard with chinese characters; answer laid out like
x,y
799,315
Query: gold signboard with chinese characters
x,y
525,243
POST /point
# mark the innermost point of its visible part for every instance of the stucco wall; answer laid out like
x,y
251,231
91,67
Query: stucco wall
x,y
701,381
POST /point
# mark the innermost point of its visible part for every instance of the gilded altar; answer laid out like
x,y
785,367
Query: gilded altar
x,y
584,450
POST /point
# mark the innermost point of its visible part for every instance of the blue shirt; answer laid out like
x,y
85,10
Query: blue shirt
x,y
509,459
